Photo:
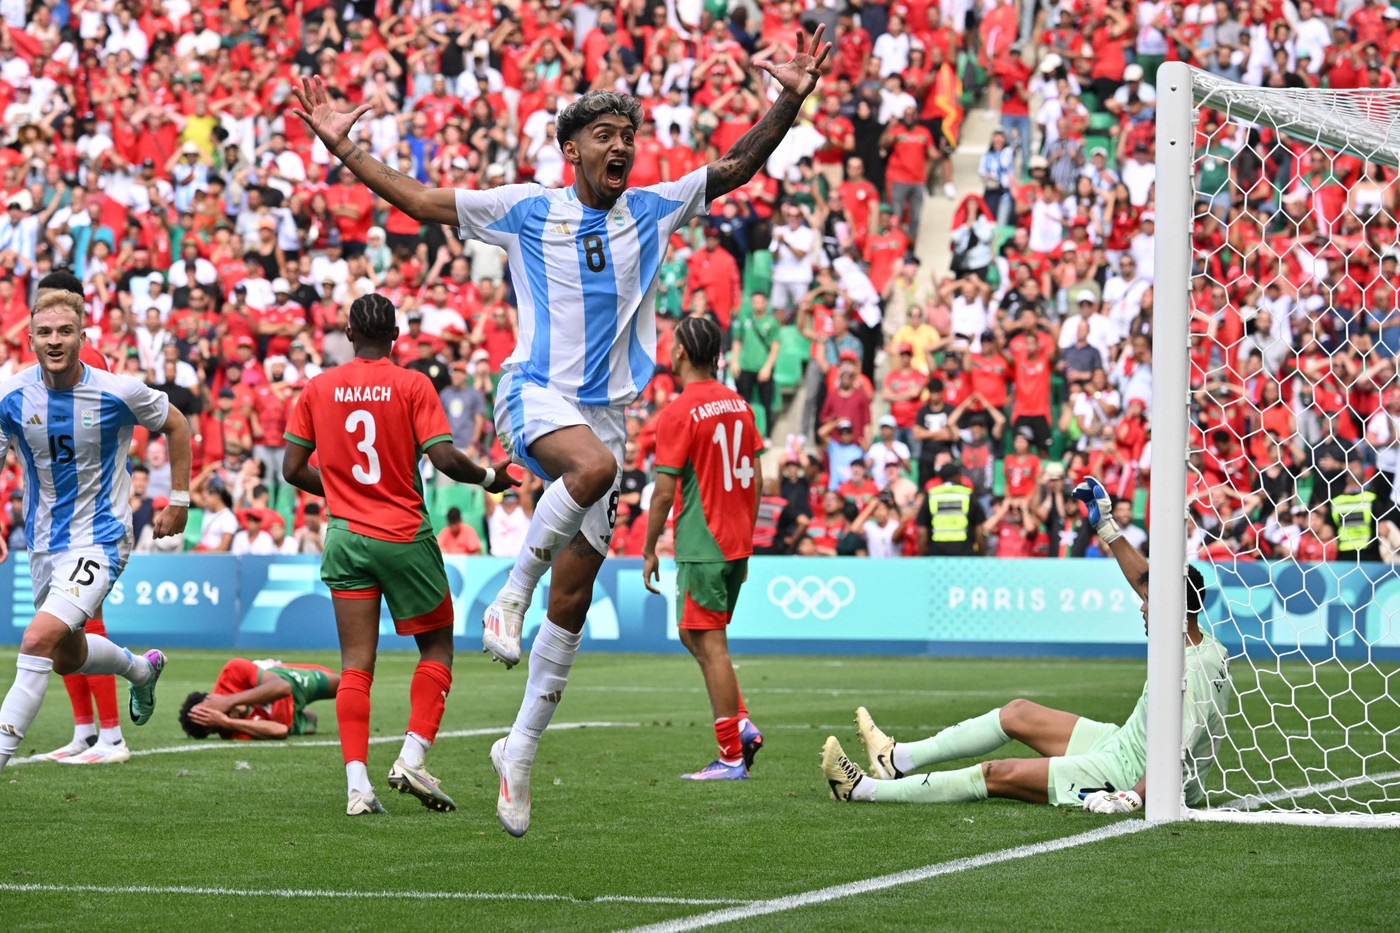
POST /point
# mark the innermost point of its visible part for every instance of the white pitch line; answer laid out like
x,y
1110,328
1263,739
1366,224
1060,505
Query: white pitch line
x,y
218,744
869,885
831,692
358,895
1255,801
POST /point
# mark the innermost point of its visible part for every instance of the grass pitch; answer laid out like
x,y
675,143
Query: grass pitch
x,y
617,840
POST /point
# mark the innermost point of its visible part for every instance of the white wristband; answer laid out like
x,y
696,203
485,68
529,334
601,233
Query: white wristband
x,y
180,499
489,478
1108,531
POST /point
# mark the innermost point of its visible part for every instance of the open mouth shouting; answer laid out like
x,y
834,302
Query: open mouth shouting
x,y
615,172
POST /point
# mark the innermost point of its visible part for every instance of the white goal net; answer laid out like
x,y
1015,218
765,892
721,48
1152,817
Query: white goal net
x,y
1276,334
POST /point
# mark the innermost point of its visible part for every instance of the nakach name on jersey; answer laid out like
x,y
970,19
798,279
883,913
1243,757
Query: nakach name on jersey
x,y
706,437
369,421
73,444
585,279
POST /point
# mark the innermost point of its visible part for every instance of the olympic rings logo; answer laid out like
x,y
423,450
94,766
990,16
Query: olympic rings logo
x,y
811,596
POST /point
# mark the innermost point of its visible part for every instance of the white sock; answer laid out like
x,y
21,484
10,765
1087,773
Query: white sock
x,y
106,657
112,736
550,659
555,523
865,790
357,777
414,748
22,702
82,731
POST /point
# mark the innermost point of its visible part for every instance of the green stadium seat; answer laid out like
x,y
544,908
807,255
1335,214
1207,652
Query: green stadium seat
x,y
284,502
1305,488
758,272
1140,505
1090,100
999,479
469,499
794,351
1102,122
194,525
1093,141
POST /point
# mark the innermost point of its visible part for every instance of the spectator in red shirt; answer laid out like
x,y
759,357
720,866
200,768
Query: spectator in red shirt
x,y
826,529
458,537
1031,379
859,488
904,391
714,272
906,173
1022,468
352,206
848,401
858,201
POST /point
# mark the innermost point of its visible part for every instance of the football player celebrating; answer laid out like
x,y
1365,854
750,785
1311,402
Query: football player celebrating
x,y
708,445
584,261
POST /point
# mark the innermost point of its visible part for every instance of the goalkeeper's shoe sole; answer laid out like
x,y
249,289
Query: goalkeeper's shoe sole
x,y
421,784
142,701
513,801
71,750
841,774
103,753
752,742
362,804
500,630
878,747
718,771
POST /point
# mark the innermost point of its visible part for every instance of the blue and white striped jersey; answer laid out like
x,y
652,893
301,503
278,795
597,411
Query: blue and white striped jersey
x,y
585,280
73,445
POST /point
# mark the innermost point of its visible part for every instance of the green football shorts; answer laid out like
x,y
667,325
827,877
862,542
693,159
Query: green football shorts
x,y
1086,765
409,575
709,591
308,686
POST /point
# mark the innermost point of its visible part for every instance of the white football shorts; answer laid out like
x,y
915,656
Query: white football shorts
x,y
71,584
525,412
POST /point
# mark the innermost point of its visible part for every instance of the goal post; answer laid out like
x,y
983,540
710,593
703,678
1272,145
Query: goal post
x,y
1289,238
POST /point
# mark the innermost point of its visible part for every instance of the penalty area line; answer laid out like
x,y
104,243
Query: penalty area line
x,y
290,893
881,883
219,744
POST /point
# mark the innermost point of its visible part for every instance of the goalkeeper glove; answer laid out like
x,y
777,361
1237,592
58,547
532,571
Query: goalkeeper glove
x,y
1110,801
1092,494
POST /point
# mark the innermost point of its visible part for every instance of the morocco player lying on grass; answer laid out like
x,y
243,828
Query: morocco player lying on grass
x,y
1097,765
259,700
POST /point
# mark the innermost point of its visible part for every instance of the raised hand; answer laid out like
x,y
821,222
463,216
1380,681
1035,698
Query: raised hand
x,y
800,75
318,113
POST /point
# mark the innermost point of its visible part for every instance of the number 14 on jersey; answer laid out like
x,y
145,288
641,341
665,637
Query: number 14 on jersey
x,y
736,469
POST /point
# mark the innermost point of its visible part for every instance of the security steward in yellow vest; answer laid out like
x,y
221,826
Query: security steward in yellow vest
x,y
1354,516
950,517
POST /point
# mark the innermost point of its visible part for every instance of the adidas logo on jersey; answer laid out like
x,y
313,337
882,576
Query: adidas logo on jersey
x,y
35,419
561,228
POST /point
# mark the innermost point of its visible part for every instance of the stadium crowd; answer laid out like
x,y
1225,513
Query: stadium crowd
x,y
147,147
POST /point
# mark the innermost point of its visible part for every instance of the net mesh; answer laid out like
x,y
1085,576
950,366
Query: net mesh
x,y
1293,434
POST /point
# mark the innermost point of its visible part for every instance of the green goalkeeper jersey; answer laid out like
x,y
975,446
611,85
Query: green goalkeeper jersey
x,y
1209,694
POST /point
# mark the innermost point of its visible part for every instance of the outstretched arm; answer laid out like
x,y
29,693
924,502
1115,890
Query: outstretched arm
x,y
1130,559
417,200
797,78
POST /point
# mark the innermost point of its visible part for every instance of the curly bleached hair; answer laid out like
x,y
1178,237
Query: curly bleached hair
x,y
59,299
590,107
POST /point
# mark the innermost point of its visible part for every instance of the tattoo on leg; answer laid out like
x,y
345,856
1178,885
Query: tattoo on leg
x,y
582,547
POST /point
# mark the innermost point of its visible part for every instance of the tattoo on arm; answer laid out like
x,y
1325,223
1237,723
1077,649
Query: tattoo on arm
x,y
737,166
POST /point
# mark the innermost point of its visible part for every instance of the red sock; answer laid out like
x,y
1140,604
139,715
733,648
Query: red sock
x,y
104,693
427,697
731,749
352,712
743,710
81,698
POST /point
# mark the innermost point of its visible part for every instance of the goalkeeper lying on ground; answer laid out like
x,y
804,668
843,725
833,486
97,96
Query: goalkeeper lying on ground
x,y
259,700
1083,761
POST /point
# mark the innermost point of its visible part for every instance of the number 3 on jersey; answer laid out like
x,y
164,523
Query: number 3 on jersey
x,y
359,418
734,467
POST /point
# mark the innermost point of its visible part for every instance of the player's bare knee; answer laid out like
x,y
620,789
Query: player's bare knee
x,y
1014,714
592,479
